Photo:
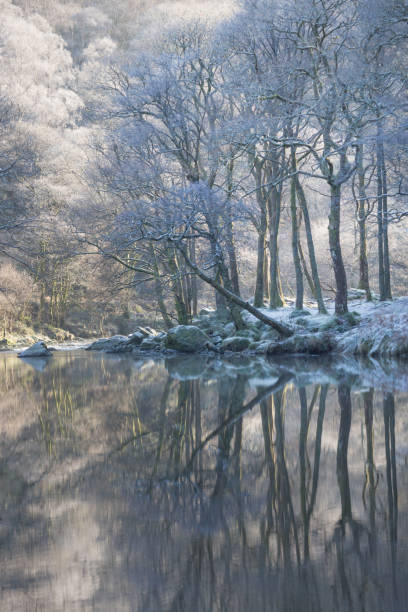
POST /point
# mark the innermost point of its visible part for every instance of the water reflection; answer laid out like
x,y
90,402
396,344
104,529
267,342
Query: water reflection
x,y
198,484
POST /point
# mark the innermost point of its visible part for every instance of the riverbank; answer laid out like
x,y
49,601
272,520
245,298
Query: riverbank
x,y
370,329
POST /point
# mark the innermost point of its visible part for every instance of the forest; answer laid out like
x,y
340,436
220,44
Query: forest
x,y
157,158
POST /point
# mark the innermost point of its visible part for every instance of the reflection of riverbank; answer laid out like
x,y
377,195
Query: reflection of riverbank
x,y
127,486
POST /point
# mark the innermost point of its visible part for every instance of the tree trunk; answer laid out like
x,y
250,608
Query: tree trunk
x,y
266,274
335,250
259,285
361,218
232,256
382,221
177,289
275,289
159,290
306,271
235,299
295,235
310,247
387,270
193,280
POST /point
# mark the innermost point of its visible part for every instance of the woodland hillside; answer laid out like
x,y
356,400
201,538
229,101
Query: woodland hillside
x,y
161,157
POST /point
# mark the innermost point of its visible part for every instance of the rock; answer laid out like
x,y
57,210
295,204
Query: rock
x,y
312,344
113,344
271,335
186,338
39,349
150,331
152,343
145,331
217,339
251,334
236,343
261,348
136,338
229,329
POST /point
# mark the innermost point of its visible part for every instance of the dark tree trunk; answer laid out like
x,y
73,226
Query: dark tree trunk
x,y
384,275
361,218
274,210
335,250
260,263
295,235
310,246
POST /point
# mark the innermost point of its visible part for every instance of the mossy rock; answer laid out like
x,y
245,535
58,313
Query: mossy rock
x,y
152,343
236,344
229,329
252,334
186,338
312,344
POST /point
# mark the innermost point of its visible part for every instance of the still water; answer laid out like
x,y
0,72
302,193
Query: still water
x,y
197,485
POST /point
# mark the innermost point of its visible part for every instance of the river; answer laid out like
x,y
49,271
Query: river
x,y
194,484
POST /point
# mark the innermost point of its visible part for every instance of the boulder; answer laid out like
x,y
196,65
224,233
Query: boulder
x,y
113,344
144,331
229,329
253,334
39,349
312,344
236,343
136,338
186,338
271,335
260,348
152,343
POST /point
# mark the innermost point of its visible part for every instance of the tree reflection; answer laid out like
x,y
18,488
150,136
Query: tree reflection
x,y
208,493
391,472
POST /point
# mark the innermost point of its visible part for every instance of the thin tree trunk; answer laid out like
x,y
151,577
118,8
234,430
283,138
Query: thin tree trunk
x,y
177,289
387,270
310,246
232,256
335,250
295,235
266,274
159,290
275,290
305,270
380,217
259,285
364,282
194,289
